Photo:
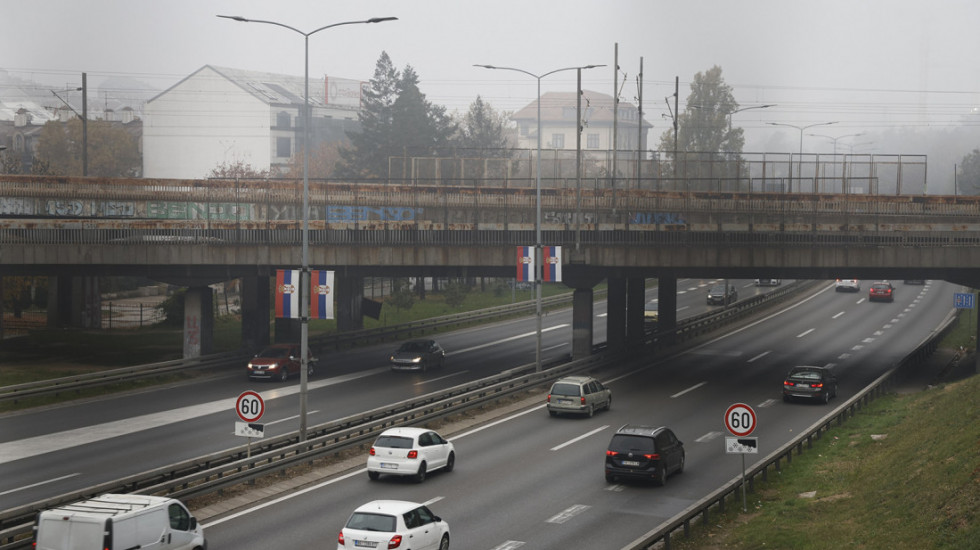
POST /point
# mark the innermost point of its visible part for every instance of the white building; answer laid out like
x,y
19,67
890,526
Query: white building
x,y
558,110
219,116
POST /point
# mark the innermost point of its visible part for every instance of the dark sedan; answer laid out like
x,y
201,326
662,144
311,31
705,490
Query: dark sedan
x,y
808,382
419,355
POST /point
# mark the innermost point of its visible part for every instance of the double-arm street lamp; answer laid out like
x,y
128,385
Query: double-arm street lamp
x,y
538,260
304,295
799,163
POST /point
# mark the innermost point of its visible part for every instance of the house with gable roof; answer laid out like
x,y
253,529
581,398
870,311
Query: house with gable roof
x,y
220,115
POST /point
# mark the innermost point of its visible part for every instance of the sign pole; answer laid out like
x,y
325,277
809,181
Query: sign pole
x,y
744,506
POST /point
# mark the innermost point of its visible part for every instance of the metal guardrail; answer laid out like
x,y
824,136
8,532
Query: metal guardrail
x,y
701,509
206,474
333,341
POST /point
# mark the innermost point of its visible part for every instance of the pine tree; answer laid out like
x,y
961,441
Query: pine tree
x,y
367,155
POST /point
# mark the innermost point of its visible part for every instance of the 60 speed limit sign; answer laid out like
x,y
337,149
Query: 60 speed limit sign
x,y
250,406
740,419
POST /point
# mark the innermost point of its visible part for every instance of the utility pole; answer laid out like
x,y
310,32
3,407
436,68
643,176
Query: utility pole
x,y
84,124
639,123
615,142
578,161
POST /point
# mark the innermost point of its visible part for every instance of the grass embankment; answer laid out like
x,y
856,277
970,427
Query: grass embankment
x,y
903,473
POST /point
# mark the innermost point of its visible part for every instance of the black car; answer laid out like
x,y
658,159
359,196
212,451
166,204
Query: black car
x,y
644,452
418,355
718,296
808,382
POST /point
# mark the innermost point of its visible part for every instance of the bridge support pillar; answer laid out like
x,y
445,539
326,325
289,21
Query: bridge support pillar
x,y
582,323
616,314
636,302
349,293
59,301
198,321
667,304
256,306
86,302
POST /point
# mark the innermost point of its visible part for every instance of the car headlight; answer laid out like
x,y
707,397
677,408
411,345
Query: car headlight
x,y
416,359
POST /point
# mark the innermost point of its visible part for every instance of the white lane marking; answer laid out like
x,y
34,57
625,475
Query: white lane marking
x,y
7,492
896,320
830,365
568,513
708,437
859,301
32,446
616,487
430,380
760,356
579,438
432,500
844,356
878,333
838,315
766,403
602,315
517,337
692,388
867,341
509,545
804,333
857,348
287,419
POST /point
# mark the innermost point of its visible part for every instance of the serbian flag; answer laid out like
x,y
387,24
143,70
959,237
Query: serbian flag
x,y
287,293
525,263
551,260
321,295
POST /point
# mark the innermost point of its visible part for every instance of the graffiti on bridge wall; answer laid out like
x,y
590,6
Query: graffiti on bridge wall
x,y
658,218
168,210
15,206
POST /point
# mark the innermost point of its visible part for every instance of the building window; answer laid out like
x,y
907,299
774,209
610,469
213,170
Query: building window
x,y
558,141
592,141
282,120
284,147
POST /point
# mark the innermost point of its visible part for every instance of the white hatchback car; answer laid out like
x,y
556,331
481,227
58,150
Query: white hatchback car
x,y
410,452
394,524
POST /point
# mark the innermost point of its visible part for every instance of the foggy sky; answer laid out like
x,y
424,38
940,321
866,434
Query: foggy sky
x,y
877,66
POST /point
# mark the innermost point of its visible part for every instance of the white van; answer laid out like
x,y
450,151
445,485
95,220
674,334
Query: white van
x,y
119,522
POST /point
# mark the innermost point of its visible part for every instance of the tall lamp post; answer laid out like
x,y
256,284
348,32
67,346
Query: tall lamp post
x,y
834,139
304,280
801,129
746,109
537,188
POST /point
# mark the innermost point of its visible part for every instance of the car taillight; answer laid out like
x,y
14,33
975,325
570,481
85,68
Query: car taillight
x,y
583,400
549,398
817,385
788,383
371,452
413,454
340,538
395,541
653,456
611,453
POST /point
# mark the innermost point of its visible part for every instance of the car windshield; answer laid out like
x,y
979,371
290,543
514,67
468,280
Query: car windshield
x,y
274,352
717,290
625,443
414,347
394,442
372,522
565,389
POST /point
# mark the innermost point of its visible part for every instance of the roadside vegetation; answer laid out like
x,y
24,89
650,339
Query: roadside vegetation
x,y
903,473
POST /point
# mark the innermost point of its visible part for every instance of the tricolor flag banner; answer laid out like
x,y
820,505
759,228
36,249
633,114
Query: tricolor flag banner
x,y
287,293
525,263
321,295
551,260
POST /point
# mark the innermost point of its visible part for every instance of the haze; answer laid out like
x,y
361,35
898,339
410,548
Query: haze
x,y
904,74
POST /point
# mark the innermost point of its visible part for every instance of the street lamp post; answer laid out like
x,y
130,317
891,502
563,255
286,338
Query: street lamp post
x,y
746,109
834,139
537,188
801,129
304,296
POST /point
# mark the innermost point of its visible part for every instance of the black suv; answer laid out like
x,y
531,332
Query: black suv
x,y
717,295
644,452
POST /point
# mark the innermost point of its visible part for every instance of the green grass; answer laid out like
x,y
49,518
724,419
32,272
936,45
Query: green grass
x,y
918,487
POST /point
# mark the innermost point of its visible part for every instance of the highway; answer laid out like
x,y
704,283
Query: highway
x,y
533,479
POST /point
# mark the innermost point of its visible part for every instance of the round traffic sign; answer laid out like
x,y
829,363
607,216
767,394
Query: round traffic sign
x,y
250,406
740,419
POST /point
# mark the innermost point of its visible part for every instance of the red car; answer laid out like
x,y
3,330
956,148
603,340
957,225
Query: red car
x,y
279,362
881,291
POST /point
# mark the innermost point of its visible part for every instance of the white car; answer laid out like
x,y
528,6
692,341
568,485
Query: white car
x,y
394,524
410,452
847,285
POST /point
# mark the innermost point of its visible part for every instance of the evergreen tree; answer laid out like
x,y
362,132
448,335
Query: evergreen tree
x,y
367,155
112,151
968,176
483,131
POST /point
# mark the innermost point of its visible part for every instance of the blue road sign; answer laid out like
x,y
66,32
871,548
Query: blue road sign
x,y
963,300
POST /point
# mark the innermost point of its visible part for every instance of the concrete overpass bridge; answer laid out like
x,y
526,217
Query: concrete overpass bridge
x,y
194,233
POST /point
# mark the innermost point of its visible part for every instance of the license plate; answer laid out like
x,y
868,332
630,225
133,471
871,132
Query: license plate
x,y
631,463
365,544
389,466
803,386
564,401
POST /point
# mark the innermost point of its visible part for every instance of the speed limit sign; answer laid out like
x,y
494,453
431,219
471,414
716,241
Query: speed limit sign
x,y
250,406
740,419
